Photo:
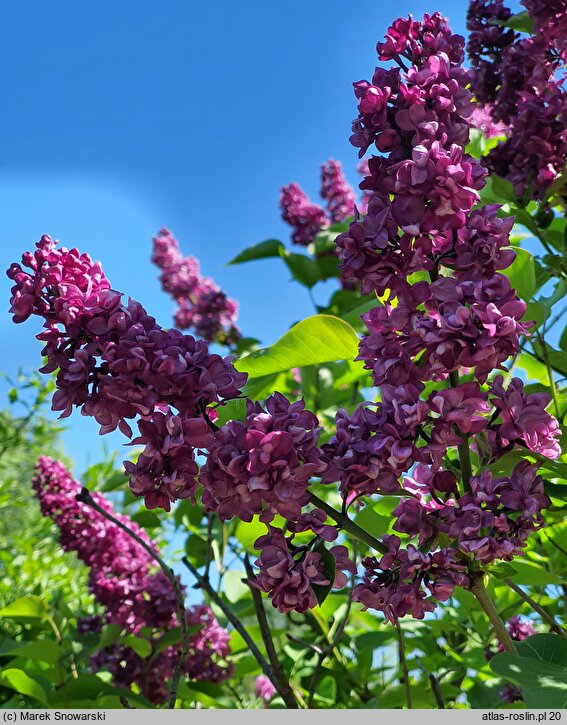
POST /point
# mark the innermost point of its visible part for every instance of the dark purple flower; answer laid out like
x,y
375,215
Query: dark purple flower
x,y
336,191
306,218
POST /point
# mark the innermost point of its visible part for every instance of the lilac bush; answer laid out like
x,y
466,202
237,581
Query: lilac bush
x,y
389,479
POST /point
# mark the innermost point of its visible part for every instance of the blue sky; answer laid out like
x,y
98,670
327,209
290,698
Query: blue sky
x,y
119,118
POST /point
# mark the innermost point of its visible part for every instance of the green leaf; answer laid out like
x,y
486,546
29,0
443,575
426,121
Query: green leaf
x,y
259,387
21,682
353,316
109,635
520,22
248,533
231,410
503,188
372,522
315,340
196,549
146,519
563,339
328,267
544,684
530,573
502,570
522,274
140,646
173,636
234,586
44,650
304,269
545,647
330,563
32,607
263,250
557,359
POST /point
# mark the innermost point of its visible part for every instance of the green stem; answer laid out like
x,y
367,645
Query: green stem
x,y
237,624
536,607
348,525
552,385
479,591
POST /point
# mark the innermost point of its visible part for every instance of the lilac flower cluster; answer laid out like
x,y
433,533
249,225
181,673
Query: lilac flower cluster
x,y
264,688
262,465
307,218
467,317
376,445
201,305
492,520
336,191
519,77
481,118
123,580
488,39
423,185
550,21
115,363
289,574
396,584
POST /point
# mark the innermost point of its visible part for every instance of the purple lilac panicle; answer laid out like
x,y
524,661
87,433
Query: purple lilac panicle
x,y
306,218
336,191
262,464
134,595
113,360
201,305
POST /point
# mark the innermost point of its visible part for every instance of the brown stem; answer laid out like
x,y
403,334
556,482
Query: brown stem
x,y
348,525
479,591
86,498
404,665
435,685
536,607
281,681
205,584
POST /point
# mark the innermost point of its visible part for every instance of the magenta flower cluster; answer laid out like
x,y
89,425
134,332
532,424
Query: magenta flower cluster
x,y
290,573
201,305
264,688
262,465
466,318
115,363
521,80
307,218
123,580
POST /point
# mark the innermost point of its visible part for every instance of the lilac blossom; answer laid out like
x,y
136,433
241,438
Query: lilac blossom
x,y
112,359
264,689
124,581
201,305
306,218
262,464
336,191
289,574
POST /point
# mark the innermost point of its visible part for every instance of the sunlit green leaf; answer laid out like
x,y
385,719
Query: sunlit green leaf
x,y
315,340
